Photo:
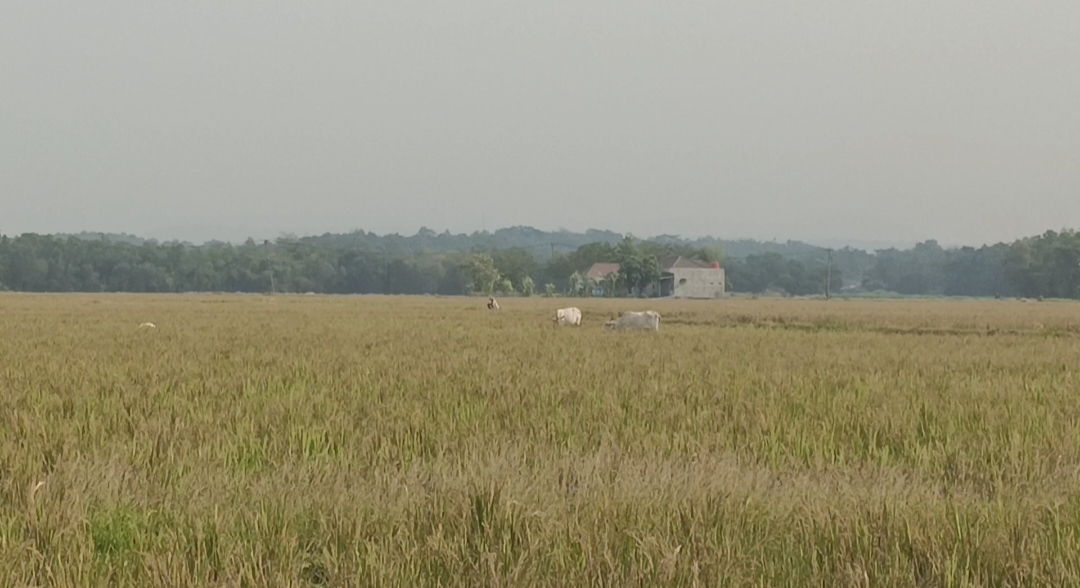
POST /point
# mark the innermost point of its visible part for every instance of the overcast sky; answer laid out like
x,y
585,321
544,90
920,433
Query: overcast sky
x,y
894,121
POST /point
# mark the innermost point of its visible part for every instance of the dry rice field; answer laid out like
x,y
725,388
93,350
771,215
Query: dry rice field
x,y
423,441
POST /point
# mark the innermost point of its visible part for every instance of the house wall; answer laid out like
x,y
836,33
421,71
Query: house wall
x,y
654,289
699,282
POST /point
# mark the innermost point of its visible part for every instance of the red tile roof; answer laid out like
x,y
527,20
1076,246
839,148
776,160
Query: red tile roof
x,y
601,270
679,261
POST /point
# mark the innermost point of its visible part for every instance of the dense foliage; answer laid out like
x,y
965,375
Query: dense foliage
x,y
527,261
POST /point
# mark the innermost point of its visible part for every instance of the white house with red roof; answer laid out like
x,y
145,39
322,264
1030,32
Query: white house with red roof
x,y
682,277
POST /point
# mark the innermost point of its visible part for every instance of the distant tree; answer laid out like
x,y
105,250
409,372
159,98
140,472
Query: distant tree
x,y
711,254
638,268
771,272
515,264
484,278
587,255
577,284
611,283
1046,265
588,286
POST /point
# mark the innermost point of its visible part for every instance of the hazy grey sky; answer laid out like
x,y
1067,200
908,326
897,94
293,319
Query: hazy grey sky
x,y
864,120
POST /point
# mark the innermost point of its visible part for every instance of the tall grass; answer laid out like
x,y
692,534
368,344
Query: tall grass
x,y
367,441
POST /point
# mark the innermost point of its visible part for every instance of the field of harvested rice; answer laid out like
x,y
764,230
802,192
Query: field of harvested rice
x,y
423,441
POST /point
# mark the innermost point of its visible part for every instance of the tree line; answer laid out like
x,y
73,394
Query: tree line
x,y
526,261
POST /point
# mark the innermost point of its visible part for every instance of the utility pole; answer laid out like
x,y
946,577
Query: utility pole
x,y
552,250
386,272
828,274
269,266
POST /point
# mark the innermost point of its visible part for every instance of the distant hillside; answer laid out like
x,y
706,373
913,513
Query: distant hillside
x,y
110,237
541,244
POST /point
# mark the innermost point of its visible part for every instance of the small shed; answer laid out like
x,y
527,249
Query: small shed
x,y
683,277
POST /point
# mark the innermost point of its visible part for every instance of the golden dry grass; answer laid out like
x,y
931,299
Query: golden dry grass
x,y
368,441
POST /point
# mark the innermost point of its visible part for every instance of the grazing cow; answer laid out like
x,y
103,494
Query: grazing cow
x,y
492,305
148,326
568,316
648,319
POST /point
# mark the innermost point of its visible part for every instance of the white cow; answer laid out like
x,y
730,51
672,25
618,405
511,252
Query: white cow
x,y
648,319
568,316
148,326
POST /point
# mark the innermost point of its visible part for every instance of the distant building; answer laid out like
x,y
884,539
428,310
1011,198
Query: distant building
x,y
682,277
600,272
